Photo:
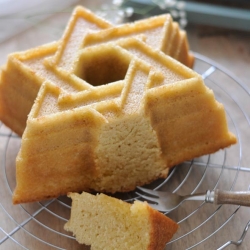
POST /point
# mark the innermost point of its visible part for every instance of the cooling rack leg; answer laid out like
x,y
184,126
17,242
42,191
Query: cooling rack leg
x,y
237,243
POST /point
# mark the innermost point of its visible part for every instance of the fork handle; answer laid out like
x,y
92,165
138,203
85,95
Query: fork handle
x,y
228,197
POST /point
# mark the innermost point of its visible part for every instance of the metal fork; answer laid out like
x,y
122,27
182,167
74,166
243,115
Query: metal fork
x,y
166,201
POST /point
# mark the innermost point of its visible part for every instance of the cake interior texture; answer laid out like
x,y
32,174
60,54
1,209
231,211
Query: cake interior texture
x,y
108,223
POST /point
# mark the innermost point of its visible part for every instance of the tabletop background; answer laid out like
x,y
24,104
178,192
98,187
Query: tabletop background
x,y
228,48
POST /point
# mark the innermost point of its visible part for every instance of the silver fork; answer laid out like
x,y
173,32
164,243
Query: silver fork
x,y
166,201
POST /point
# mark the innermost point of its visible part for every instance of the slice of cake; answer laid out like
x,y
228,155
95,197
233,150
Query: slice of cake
x,y
145,113
25,71
108,223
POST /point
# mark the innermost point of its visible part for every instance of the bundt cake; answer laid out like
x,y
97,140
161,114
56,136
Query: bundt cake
x,y
112,110
108,223
150,113
25,72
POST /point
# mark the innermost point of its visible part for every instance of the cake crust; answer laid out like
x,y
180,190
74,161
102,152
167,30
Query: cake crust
x,y
102,221
162,230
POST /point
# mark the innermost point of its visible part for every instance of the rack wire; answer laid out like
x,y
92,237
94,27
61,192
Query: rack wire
x,y
40,224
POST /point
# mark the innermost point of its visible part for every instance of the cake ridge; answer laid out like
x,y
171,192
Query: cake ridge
x,y
136,28
90,19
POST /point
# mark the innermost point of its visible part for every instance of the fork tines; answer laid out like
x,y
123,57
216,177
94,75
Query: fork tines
x,y
148,195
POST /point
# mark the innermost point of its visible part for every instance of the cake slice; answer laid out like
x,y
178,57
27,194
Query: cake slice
x,y
108,223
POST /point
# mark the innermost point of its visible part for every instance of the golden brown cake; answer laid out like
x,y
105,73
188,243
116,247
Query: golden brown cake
x,y
142,115
25,71
108,223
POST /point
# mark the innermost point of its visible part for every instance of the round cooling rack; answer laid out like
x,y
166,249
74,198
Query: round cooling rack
x,y
40,225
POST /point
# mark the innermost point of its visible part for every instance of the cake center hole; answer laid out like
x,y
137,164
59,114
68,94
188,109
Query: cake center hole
x,y
99,67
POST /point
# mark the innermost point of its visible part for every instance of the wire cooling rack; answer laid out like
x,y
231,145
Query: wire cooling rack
x,y
40,225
